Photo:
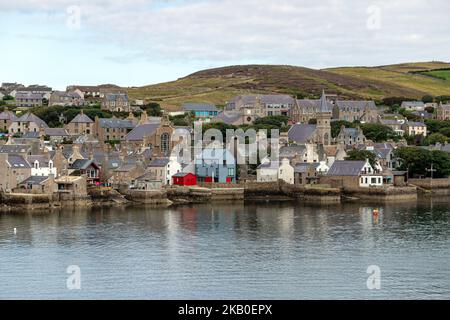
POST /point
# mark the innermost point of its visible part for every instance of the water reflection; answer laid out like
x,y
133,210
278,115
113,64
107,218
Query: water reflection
x,y
257,250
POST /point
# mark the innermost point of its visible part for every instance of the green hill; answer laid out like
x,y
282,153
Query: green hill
x,y
218,85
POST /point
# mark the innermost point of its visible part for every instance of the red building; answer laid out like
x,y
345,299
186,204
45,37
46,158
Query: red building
x,y
184,179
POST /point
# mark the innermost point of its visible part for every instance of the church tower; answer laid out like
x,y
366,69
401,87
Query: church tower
x,y
323,127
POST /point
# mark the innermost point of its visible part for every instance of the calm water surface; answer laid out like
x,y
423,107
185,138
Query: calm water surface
x,y
233,251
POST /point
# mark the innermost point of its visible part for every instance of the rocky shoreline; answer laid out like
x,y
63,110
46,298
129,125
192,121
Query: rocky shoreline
x,y
104,197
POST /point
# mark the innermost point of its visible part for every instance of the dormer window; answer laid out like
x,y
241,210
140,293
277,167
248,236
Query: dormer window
x,y
36,164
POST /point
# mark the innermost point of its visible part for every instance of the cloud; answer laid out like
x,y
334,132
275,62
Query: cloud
x,y
303,32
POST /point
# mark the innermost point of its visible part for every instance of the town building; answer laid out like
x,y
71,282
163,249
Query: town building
x,y
63,98
413,105
116,102
164,169
201,110
351,136
27,123
6,119
184,179
42,165
13,170
28,99
443,112
319,133
215,165
413,128
79,125
87,168
112,129
352,174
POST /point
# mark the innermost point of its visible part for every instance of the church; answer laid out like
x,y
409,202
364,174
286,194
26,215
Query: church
x,y
319,133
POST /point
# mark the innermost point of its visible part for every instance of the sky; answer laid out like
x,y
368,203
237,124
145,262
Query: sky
x,y
141,42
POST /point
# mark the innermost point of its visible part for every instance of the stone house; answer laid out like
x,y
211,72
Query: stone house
x,y
13,170
443,112
351,136
28,99
6,119
74,186
261,105
163,169
37,185
113,129
81,124
126,174
147,181
352,174
363,111
63,98
116,102
396,125
27,123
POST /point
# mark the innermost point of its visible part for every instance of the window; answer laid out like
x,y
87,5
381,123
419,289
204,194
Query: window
x,y
231,172
165,142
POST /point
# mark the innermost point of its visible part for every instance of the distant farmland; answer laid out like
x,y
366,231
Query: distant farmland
x,y
443,74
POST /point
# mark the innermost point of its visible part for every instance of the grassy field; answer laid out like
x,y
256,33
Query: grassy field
x,y
219,85
439,74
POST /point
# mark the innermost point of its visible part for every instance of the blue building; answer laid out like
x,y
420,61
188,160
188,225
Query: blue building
x,y
215,165
201,110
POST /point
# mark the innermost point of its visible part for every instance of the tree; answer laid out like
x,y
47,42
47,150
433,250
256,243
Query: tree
x,y
153,109
362,155
414,160
8,97
336,127
434,138
378,132
427,99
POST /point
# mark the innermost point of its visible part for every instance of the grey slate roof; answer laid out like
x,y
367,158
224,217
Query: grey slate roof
x,y
117,123
56,132
265,99
81,118
291,151
139,132
149,176
21,95
42,159
415,124
356,104
231,118
34,180
313,105
346,168
413,104
30,117
82,164
304,167
159,162
301,133
31,135
15,148
115,96
199,107
7,115
16,161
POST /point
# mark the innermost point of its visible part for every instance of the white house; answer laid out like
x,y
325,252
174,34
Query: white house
x,y
286,172
267,171
272,171
164,169
370,177
42,166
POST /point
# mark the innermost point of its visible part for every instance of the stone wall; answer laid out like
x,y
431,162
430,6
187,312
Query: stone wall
x,y
427,183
